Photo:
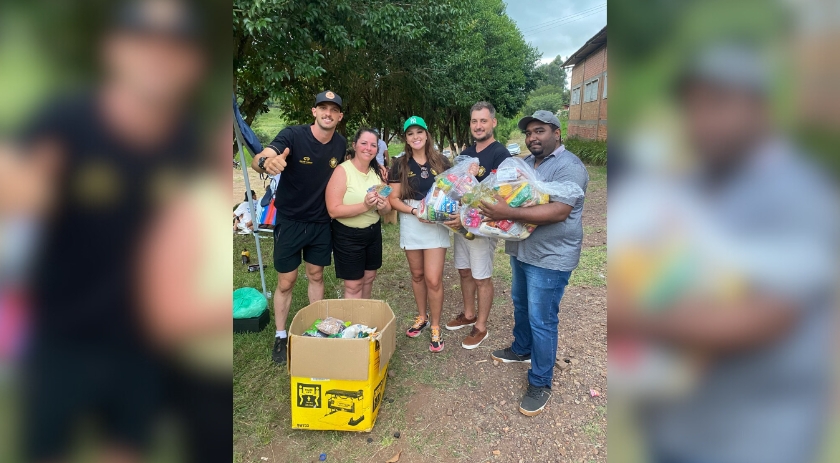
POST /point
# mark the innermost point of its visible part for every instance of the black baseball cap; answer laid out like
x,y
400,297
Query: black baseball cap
x,y
328,96
542,115
175,18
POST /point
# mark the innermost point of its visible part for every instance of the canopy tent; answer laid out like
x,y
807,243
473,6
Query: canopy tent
x,y
245,136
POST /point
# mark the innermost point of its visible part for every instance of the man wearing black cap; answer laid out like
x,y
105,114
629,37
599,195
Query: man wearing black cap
x,y
542,264
307,156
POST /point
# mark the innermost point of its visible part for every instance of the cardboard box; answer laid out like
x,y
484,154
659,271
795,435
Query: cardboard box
x,y
338,384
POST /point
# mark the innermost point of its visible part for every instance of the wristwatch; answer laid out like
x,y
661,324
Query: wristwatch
x,y
261,162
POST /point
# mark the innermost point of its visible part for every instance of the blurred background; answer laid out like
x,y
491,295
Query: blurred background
x,y
723,214
115,331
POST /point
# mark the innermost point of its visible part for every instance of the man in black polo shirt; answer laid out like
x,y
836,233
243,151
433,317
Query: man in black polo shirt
x,y
307,156
474,258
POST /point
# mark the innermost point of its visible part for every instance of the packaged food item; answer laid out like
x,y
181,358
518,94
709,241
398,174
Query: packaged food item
x,y
357,331
382,189
442,202
313,330
518,184
331,326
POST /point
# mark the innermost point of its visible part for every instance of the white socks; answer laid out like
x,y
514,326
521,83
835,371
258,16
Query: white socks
x,y
280,334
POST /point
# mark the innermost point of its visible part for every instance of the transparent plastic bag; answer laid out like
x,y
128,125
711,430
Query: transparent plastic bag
x,y
442,202
518,184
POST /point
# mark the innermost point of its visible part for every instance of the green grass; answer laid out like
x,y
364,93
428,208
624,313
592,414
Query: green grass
x,y
267,125
593,431
592,269
591,152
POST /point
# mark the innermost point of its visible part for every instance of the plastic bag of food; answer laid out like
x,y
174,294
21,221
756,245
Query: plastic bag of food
x,y
518,184
442,202
357,331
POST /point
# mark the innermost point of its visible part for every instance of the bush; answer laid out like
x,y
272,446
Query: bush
x,y
592,152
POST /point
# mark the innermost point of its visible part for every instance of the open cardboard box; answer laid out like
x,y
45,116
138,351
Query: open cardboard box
x,y
337,384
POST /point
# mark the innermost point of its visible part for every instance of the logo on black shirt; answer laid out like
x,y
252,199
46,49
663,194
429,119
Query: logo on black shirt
x,y
481,171
306,160
424,173
333,162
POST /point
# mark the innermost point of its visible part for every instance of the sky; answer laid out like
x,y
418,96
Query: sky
x,y
557,27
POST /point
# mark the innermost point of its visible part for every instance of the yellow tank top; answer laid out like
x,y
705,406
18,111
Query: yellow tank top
x,y
357,186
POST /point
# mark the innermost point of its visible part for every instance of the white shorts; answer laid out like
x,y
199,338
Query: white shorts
x,y
476,255
415,234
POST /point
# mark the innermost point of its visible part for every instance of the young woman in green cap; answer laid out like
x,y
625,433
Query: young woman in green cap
x,y
425,243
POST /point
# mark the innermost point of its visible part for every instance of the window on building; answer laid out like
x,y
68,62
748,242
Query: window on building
x,y
605,86
590,91
576,95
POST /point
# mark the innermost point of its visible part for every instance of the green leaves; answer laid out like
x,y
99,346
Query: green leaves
x,y
387,59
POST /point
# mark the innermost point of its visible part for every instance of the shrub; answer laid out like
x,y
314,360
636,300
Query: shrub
x,y
593,152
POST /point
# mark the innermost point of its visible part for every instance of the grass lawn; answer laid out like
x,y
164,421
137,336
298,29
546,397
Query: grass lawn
x,y
261,389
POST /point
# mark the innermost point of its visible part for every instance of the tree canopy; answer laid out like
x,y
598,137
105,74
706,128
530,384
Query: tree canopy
x,y
387,60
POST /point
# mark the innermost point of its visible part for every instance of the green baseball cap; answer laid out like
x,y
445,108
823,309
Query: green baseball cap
x,y
414,120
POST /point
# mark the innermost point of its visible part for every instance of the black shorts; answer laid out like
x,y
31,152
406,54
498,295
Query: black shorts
x,y
66,384
356,250
291,237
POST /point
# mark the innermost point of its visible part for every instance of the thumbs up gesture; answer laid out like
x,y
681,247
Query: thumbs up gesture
x,y
277,164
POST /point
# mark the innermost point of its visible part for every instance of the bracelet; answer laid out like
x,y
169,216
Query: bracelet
x,y
412,210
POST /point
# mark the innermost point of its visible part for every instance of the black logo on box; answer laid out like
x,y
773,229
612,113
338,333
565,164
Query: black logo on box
x,y
377,394
309,395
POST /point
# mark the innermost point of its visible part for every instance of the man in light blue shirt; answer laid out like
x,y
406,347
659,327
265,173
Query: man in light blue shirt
x,y
542,264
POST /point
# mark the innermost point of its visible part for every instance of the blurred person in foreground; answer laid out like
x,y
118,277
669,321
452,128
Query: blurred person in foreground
x,y
106,165
724,278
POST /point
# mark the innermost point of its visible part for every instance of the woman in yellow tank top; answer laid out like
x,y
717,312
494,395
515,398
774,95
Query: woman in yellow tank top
x,y
356,229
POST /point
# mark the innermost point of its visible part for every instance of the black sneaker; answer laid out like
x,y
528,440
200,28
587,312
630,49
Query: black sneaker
x,y
534,400
508,356
419,325
278,354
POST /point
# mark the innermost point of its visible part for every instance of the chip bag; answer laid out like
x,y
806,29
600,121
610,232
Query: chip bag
x,y
518,184
442,202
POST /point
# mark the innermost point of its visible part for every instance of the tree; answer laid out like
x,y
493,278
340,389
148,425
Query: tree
x,y
552,73
550,102
388,60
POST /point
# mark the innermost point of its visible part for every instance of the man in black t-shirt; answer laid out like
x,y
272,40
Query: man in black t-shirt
x,y
307,156
474,258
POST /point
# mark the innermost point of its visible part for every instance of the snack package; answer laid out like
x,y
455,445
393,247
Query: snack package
x,y
331,326
518,184
382,189
442,202
313,330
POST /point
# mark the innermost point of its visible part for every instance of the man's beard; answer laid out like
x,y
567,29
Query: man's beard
x,y
484,138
